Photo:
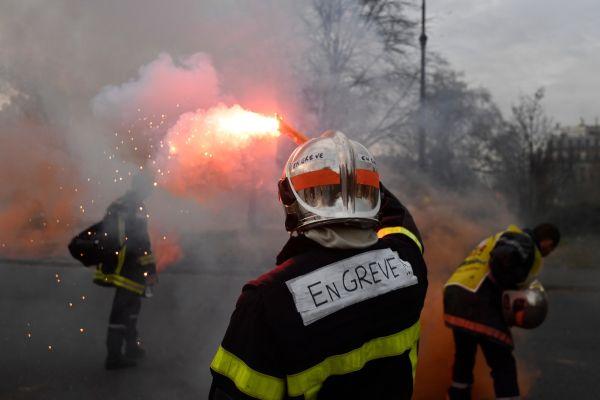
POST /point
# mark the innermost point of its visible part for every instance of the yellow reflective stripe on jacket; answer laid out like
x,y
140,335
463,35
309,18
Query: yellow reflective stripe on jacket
x,y
313,393
120,260
128,284
147,259
247,380
471,273
414,355
309,381
121,228
119,281
402,230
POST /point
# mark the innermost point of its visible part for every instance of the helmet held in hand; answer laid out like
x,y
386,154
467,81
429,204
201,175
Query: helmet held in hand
x,y
525,308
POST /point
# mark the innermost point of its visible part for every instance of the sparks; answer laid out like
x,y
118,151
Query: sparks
x,y
210,149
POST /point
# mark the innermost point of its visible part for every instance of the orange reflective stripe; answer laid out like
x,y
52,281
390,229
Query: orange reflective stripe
x,y
320,177
479,328
367,177
327,176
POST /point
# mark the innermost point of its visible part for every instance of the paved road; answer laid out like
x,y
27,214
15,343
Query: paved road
x,y
181,327
183,324
565,350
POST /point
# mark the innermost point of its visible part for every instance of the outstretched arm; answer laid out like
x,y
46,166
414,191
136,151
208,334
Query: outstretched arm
x,y
393,215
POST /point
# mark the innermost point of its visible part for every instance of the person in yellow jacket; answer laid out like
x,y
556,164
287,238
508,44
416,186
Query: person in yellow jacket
x,y
509,260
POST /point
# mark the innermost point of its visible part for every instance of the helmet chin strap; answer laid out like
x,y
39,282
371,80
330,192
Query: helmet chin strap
x,y
286,196
291,221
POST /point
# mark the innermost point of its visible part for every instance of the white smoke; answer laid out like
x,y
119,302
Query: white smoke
x,y
163,87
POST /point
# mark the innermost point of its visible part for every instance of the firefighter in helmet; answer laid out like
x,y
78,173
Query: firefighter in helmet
x,y
495,288
338,318
132,271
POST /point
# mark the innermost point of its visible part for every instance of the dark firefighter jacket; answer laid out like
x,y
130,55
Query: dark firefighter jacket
x,y
473,294
329,323
125,222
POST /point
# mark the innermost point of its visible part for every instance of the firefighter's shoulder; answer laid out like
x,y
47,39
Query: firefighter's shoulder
x,y
252,290
401,234
270,277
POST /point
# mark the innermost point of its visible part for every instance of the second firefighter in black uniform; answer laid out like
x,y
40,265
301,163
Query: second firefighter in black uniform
x,y
132,271
338,318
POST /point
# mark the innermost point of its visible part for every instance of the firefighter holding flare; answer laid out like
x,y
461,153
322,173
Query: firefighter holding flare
x,y
338,318
495,288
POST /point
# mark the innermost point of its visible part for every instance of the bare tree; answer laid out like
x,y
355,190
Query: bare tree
x,y
461,123
359,78
521,172
395,28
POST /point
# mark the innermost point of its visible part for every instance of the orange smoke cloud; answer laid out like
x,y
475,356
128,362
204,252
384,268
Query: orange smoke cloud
x,y
39,195
53,185
166,249
451,229
221,149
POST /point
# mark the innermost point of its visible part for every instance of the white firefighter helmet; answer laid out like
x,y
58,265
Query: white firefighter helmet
x,y
330,180
525,308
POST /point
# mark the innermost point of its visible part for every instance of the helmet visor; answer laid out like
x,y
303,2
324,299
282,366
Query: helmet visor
x,y
366,198
327,196
321,188
367,190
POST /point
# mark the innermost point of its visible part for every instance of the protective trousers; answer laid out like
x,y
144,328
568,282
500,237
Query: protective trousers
x,y
123,321
498,357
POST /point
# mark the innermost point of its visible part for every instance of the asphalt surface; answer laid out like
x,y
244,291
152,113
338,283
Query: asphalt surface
x,y
183,324
565,350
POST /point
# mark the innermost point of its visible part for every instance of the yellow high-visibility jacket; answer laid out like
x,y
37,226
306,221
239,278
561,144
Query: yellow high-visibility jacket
x,y
472,296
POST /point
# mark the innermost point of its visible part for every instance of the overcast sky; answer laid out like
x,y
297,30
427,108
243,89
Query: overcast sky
x,y
513,47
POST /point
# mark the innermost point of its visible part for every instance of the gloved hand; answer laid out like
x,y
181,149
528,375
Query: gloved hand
x,y
151,279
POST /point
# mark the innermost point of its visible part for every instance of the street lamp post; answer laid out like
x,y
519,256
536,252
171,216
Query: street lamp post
x,y
422,99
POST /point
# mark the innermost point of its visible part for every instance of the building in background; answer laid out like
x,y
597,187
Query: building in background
x,y
572,173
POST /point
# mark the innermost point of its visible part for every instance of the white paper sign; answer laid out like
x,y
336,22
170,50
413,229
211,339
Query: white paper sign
x,y
350,281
